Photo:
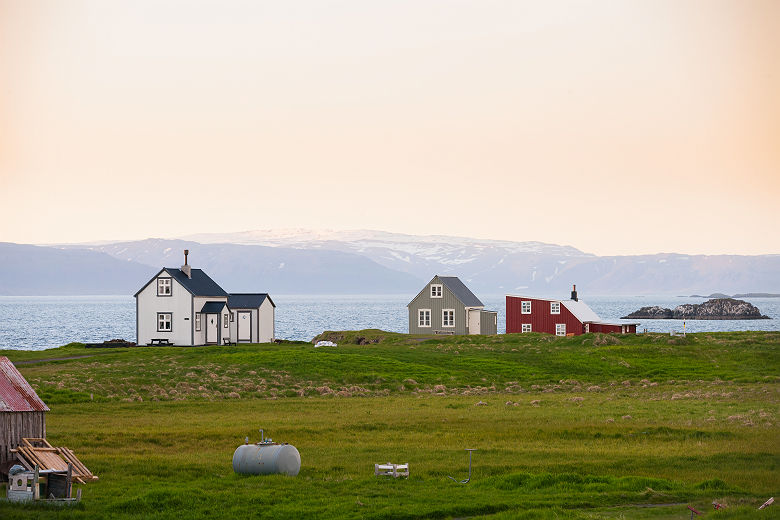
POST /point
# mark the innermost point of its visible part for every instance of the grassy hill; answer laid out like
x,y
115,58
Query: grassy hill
x,y
593,426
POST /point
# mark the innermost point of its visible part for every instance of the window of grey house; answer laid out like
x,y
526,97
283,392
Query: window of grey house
x,y
435,290
164,322
163,287
424,317
448,318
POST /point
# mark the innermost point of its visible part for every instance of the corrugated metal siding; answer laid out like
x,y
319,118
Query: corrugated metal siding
x,y
437,305
540,318
16,394
488,322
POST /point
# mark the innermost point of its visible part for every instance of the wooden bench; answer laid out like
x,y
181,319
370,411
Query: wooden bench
x,y
160,341
391,470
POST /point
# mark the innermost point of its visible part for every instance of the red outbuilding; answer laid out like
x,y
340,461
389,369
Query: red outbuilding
x,y
560,317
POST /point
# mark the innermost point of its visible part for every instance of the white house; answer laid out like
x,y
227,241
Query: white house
x,y
186,307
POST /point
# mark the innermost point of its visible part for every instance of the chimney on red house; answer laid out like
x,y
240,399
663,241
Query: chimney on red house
x,y
574,293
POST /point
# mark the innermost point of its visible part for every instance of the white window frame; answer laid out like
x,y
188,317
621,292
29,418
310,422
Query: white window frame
x,y
226,319
525,327
555,307
560,329
523,305
198,322
164,287
422,314
437,291
161,322
445,321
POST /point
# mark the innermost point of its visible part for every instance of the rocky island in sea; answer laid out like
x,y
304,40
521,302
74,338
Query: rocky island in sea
x,y
716,309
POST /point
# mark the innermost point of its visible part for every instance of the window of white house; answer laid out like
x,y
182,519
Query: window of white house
x,y
197,321
232,316
525,307
560,329
526,327
163,287
448,318
424,317
164,322
555,307
226,321
435,290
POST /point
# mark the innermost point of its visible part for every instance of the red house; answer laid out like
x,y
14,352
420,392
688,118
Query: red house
x,y
560,317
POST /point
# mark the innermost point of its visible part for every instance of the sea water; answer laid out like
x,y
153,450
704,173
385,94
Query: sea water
x,y
40,322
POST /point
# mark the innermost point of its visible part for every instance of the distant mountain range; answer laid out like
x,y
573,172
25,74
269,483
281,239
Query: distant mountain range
x,y
374,262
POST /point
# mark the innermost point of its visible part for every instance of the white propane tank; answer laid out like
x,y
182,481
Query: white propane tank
x,y
267,458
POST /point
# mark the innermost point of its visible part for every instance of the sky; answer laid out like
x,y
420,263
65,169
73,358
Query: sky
x,y
617,127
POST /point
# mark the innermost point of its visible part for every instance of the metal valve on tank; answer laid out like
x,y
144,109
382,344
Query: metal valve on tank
x,y
266,458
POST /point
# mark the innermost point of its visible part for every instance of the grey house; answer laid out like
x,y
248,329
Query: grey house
x,y
447,306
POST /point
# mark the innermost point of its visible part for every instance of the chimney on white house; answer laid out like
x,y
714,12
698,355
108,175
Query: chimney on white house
x,y
186,269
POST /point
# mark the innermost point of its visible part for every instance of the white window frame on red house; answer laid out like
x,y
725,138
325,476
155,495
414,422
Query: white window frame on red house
x,y
436,290
525,327
555,307
560,329
424,318
525,307
448,317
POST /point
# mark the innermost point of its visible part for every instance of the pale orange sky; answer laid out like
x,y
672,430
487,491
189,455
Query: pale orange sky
x,y
618,127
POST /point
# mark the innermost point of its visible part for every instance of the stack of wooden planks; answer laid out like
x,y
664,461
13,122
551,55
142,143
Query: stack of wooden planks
x,y
37,451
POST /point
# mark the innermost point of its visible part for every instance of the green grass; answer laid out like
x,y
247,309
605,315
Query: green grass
x,y
587,427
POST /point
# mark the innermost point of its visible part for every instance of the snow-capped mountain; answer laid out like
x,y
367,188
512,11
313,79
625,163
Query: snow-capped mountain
x,y
374,262
491,264
534,268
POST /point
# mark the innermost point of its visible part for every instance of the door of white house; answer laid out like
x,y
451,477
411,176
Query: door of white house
x,y
475,324
244,325
212,324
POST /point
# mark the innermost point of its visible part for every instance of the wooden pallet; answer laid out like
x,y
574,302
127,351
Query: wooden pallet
x,y
36,451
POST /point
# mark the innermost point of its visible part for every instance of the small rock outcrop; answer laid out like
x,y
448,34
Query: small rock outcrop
x,y
716,309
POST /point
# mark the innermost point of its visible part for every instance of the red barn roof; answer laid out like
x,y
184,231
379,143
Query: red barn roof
x,y
16,394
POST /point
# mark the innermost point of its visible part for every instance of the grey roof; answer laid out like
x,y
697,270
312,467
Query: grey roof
x,y
213,307
460,291
248,300
199,285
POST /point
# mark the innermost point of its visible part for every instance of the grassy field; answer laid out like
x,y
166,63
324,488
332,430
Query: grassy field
x,y
588,427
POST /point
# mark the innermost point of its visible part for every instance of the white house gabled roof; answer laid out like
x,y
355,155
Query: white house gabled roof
x,y
581,311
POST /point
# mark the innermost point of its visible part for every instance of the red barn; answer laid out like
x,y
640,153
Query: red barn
x,y
22,413
560,317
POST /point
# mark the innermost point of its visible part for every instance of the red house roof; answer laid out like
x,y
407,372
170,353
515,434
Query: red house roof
x,y
16,394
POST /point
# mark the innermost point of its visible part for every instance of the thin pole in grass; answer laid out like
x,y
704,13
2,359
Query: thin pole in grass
x,y
469,478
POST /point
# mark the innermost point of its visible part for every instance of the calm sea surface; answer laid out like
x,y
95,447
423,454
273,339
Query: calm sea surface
x,y
40,322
